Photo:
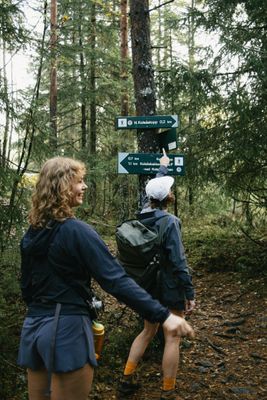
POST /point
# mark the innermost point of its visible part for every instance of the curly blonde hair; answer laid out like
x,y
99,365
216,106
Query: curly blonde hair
x,y
53,191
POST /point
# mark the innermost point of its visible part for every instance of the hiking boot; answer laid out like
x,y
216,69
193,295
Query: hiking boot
x,y
169,395
128,385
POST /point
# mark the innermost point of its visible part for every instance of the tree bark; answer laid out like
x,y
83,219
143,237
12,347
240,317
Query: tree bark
x,y
124,56
143,73
4,149
192,118
83,85
143,76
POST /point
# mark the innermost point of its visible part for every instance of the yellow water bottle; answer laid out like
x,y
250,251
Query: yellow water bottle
x,y
98,331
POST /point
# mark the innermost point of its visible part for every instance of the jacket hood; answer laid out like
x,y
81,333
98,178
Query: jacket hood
x,y
151,216
37,241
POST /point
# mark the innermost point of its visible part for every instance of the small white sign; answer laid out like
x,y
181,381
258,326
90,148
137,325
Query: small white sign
x,y
178,161
172,145
122,122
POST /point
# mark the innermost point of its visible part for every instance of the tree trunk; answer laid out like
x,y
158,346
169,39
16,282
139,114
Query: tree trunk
x,y
92,144
4,149
192,118
83,86
159,50
124,56
53,76
12,115
93,81
124,188
143,76
143,73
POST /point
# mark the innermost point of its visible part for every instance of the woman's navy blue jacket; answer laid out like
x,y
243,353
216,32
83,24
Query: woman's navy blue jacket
x,y
58,259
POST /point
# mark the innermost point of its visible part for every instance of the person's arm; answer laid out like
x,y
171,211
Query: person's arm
x,y
25,279
112,278
164,163
176,256
83,246
26,276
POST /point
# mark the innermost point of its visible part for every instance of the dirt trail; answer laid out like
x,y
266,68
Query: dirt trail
x,y
226,360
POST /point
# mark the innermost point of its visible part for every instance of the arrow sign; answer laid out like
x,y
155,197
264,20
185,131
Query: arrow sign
x,y
148,164
147,122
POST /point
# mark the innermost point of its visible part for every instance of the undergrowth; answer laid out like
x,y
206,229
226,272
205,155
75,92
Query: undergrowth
x,y
212,245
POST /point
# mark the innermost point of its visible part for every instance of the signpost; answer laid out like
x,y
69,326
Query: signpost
x,y
147,122
148,163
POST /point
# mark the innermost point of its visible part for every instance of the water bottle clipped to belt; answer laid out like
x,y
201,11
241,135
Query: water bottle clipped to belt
x,y
99,332
96,306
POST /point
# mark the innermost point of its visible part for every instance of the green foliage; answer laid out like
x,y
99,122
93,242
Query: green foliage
x,y
219,244
219,94
11,317
12,31
238,140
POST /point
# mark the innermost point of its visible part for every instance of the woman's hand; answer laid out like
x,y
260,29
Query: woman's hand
x,y
177,326
164,160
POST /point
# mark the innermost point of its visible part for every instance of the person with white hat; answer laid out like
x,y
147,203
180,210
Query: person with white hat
x,y
175,289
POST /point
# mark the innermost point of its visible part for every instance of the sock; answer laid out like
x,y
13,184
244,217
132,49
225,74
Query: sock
x,y
130,367
169,383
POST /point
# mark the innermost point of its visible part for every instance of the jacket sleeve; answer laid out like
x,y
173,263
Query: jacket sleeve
x,y
163,171
90,250
176,256
25,279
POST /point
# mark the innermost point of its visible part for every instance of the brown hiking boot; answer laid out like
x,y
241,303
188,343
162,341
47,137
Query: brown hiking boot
x,y
169,395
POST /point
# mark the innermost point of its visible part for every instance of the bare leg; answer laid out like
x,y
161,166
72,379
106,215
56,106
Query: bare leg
x,y
37,384
138,347
170,360
75,385
141,341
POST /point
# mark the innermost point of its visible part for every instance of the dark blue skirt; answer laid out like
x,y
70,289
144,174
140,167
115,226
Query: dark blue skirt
x,y
74,345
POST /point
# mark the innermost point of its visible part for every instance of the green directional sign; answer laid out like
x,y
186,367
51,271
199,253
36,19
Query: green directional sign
x,y
148,164
147,122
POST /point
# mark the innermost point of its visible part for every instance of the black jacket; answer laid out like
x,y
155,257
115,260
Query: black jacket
x,y
54,259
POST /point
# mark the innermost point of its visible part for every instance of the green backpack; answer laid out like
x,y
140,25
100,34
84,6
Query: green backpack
x,y
139,250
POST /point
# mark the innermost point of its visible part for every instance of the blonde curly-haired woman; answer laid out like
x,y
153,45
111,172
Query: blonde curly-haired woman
x,y
59,256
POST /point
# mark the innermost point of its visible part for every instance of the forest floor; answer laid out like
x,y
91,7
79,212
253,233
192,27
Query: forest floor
x,y
226,360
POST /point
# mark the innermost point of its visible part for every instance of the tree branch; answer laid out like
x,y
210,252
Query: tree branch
x,y
160,5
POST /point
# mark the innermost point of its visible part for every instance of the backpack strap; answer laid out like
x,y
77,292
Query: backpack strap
x,y
52,349
153,266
